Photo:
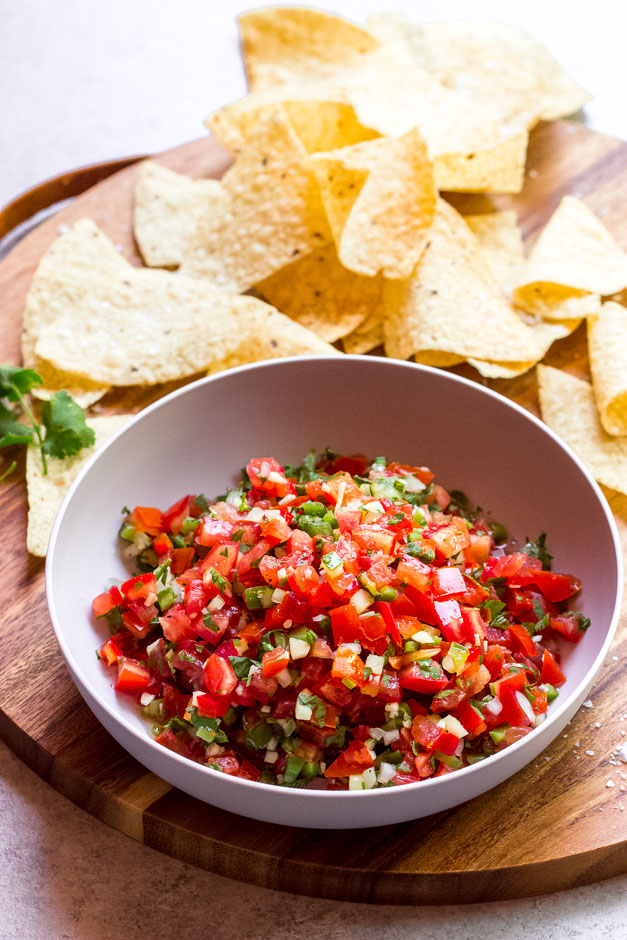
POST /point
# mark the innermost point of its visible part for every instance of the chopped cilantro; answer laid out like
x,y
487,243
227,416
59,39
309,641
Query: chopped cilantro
x,y
537,549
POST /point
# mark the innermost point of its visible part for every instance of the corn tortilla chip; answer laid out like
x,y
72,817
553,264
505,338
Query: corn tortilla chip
x,y
574,259
319,124
367,336
284,44
167,208
273,215
380,201
80,249
140,326
270,335
501,245
496,168
321,294
486,60
46,493
568,407
607,351
452,304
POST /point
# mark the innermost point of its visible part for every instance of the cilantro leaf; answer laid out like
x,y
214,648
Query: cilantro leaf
x,y
13,431
66,429
16,382
537,549
306,471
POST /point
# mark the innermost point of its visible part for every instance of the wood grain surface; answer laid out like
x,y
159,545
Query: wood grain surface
x,y
554,825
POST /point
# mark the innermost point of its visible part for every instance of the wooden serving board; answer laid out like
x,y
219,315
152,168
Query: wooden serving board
x,y
554,825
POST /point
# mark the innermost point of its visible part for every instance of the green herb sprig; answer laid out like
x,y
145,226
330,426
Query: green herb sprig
x,y
62,431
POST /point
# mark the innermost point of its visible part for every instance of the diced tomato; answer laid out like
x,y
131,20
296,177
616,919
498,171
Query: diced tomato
x,y
355,465
213,705
503,566
181,559
414,572
354,760
138,619
569,625
146,519
303,580
132,676
110,652
471,719
274,661
267,475
162,545
102,604
449,620
222,558
218,675
555,587
176,624
523,641
212,532
333,690
172,519
494,658
373,634
348,665
447,583
276,531
225,762
249,561
423,606
423,676
551,672
345,624
448,538
426,733
374,538
140,587
385,609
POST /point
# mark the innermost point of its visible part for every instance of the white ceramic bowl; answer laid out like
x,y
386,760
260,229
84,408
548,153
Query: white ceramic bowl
x,y
198,438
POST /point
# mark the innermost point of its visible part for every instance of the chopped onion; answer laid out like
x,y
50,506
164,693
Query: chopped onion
x,y
525,704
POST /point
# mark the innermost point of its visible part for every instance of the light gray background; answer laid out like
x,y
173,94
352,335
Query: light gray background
x,y
83,81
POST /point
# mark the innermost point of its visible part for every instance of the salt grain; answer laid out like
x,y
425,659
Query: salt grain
x,y
590,753
588,704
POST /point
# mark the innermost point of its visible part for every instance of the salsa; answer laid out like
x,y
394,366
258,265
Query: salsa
x,y
344,624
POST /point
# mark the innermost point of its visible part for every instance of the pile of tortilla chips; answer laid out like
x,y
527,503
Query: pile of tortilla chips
x,y
329,226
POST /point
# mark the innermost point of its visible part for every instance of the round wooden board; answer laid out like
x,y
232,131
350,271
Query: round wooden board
x,y
555,825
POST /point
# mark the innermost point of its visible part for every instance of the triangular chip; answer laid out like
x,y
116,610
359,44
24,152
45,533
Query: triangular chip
x,y
321,294
501,245
452,304
319,124
367,336
286,44
380,201
488,60
574,260
607,352
78,250
495,168
270,335
139,326
167,208
568,407
46,493
274,212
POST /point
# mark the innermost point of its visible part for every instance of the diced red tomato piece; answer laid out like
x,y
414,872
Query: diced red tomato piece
x,y
213,705
218,675
354,760
162,545
551,672
102,604
146,519
569,625
447,583
348,665
181,559
132,676
139,587
110,652
212,532
430,678
274,661
172,519
345,624
523,641
222,558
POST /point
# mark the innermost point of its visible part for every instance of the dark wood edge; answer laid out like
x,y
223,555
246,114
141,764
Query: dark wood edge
x,y
54,190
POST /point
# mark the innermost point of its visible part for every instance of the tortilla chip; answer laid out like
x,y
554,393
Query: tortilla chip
x,y
501,370
568,407
321,294
140,326
273,215
80,248
574,259
380,201
46,493
319,124
367,336
607,351
487,60
497,168
286,44
267,334
501,245
452,304
167,208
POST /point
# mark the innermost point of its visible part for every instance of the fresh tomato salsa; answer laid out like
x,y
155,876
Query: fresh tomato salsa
x,y
343,624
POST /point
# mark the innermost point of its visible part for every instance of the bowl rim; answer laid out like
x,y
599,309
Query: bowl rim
x,y
193,767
